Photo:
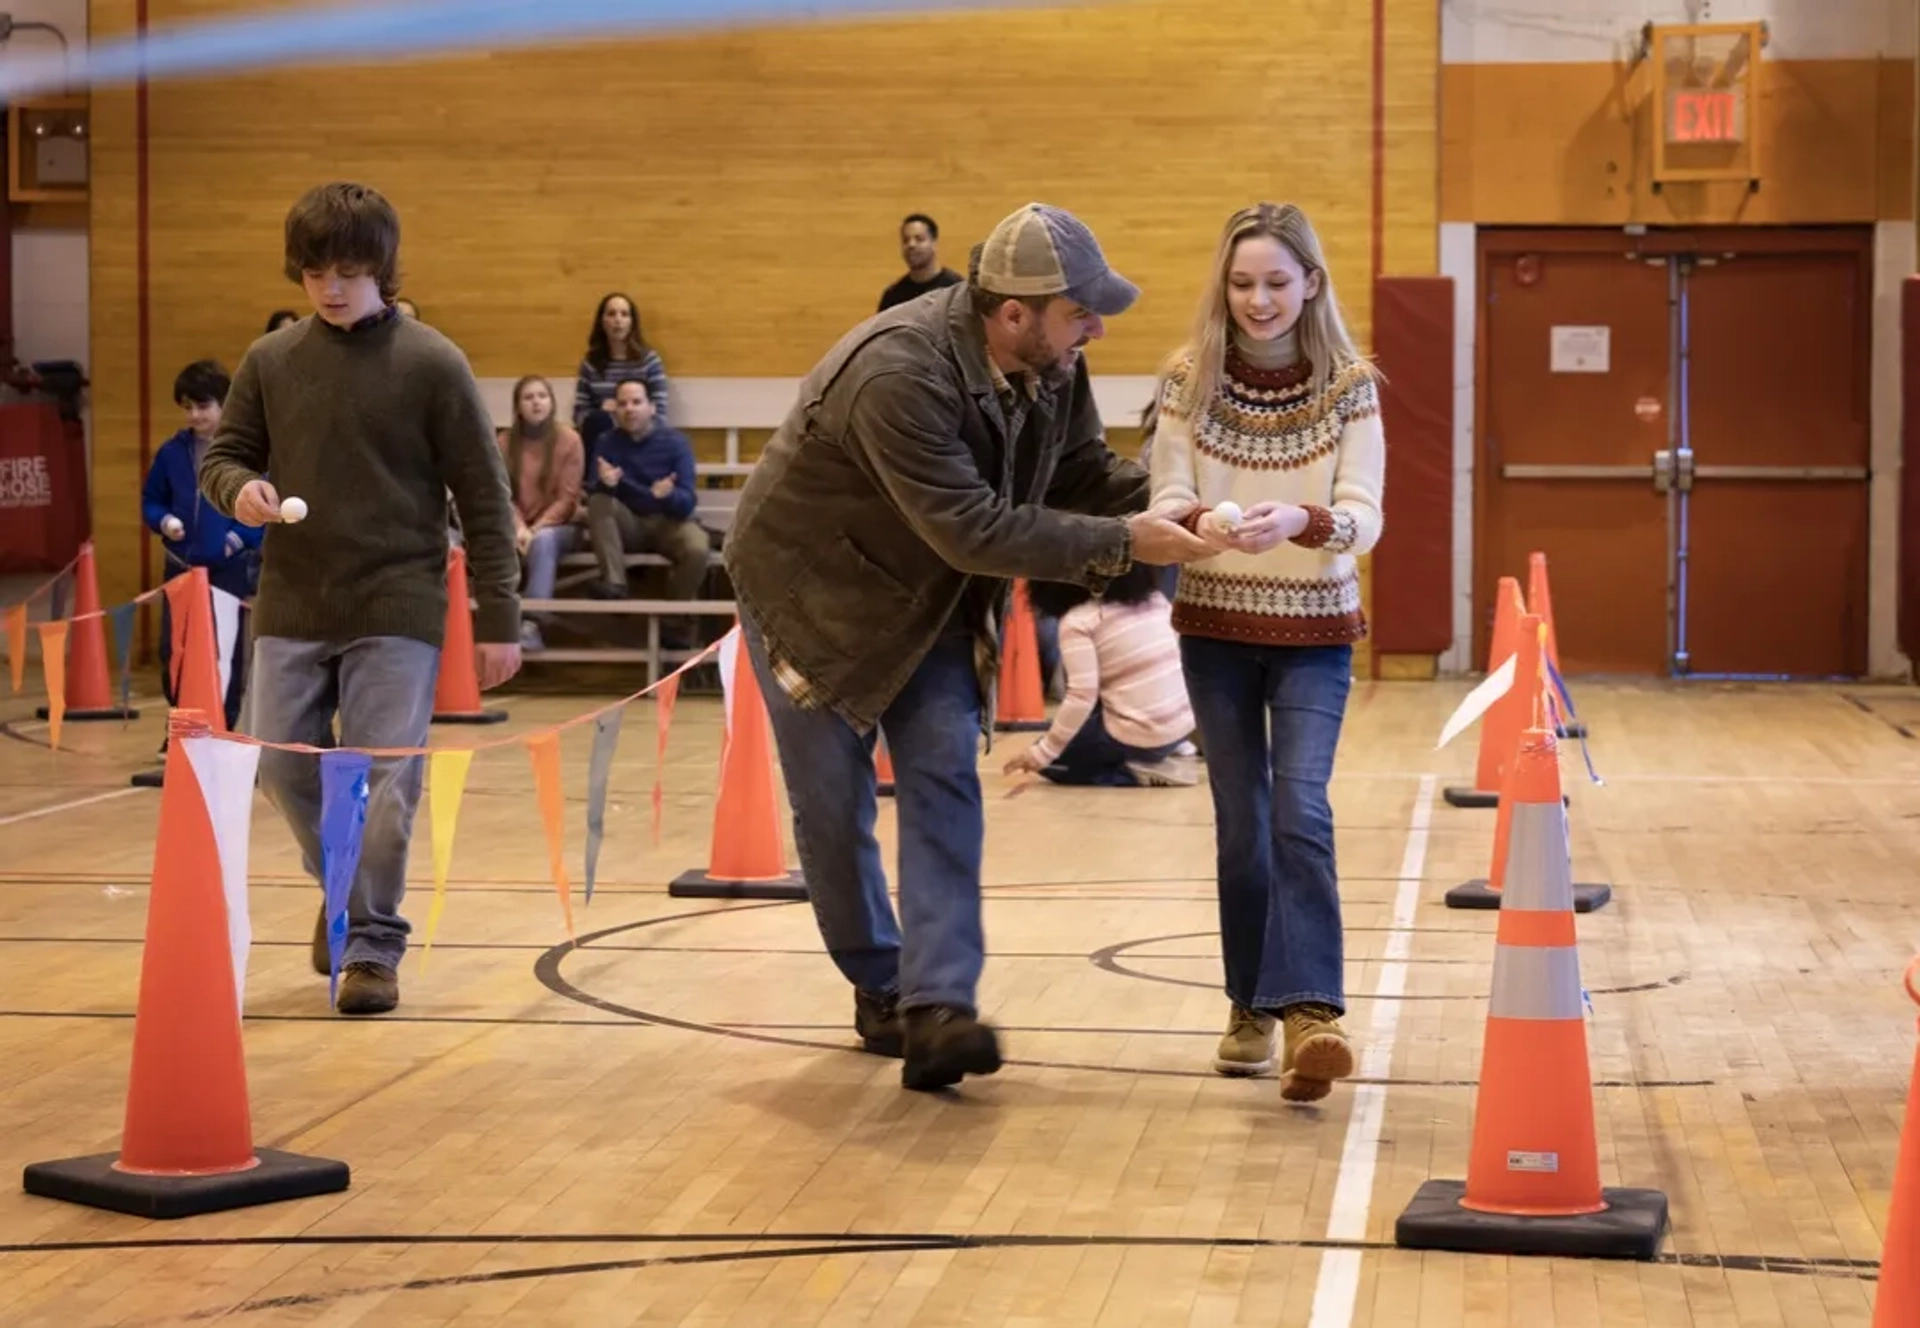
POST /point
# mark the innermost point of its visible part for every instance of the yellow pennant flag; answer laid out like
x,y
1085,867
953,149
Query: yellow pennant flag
x,y
17,645
544,748
446,785
53,661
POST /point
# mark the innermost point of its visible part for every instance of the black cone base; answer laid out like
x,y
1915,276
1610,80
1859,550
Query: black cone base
x,y
150,778
86,716
1468,797
1576,729
1479,893
472,717
1021,725
92,1181
1632,1227
884,788
699,885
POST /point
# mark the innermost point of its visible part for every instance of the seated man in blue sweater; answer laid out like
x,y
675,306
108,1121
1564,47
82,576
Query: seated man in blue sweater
x,y
640,500
191,530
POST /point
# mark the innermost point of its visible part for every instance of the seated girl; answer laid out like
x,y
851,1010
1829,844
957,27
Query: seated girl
x,y
1125,720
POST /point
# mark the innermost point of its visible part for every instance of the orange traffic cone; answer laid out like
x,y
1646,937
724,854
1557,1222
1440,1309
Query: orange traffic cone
x,y
456,693
90,690
1897,1302
188,1143
882,767
1501,724
1484,892
746,860
1533,1176
196,661
1023,700
1540,602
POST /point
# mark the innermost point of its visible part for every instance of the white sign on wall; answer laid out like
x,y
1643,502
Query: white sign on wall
x,y
1582,349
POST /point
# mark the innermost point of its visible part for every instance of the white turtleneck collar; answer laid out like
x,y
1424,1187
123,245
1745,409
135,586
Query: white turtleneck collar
x,y
1278,353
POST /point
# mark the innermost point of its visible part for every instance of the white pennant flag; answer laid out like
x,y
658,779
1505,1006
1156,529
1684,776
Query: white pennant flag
x,y
226,630
225,771
1479,701
729,644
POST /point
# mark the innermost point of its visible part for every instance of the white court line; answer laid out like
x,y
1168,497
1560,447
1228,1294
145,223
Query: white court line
x,y
68,806
1338,1288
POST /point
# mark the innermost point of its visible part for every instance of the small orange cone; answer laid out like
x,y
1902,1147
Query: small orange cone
x,y
1533,1176
90,690
196,662
1897,1302
456,693
1484,892
1501,724
1023,699
746,860
1540,602
188,1142
882,766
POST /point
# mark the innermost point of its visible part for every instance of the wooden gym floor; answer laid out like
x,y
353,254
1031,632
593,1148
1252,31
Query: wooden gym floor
x,y
669,1125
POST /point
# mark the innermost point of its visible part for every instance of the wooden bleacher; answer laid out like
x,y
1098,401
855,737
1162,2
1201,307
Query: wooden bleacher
x,y
711,410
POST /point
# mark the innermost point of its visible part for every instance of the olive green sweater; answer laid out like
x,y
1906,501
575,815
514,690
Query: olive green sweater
x,y
372,426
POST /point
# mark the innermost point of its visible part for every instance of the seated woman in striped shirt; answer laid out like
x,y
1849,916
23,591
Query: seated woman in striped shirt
x,y
1125,720
616,353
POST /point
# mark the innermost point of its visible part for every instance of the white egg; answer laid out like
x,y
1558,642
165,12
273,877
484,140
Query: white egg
x,y
293,509
1228,512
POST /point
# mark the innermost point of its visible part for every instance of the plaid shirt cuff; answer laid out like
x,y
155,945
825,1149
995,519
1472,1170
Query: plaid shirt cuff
x,y
795,685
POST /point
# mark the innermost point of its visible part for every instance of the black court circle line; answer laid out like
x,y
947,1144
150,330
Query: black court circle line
x,y
546,970
1106,959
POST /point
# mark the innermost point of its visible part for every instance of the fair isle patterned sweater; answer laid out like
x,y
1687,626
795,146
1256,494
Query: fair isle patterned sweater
x,y
1267,437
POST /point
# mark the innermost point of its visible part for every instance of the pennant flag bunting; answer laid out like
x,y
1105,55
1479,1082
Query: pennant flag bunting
x,y
446,785
606,736
17,645
343,820
1478,701
226,630
729,656
179,606
544,748
662,721
57,597
225,772
120,619
53,662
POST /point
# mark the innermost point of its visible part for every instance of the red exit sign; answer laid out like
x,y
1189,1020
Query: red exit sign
x,y
1707,116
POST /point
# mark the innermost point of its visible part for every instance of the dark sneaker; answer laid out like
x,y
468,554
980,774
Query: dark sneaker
x,y
876,1018
367,988
944,1045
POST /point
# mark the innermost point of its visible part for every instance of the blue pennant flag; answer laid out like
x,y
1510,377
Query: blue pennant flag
x,y
343,819
606,735
120,620
1566,699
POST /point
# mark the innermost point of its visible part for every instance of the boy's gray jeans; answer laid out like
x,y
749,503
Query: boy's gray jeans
x,y
381,688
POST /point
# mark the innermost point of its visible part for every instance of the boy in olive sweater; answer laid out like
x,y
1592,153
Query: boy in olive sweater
x,y
371,419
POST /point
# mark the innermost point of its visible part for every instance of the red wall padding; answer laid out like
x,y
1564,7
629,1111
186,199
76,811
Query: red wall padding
x,y
1413,563
1910,467
43,488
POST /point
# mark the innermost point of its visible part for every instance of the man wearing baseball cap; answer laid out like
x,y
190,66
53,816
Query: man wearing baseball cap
x,y
940,450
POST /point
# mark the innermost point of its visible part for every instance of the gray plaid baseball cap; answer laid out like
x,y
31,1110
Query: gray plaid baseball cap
x,y
1042,250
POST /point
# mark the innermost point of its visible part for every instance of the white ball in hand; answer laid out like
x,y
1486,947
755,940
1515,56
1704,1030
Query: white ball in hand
x,y
1228,513
293,509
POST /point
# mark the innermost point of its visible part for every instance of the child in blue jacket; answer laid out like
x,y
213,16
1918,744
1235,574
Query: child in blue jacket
x,y
192,531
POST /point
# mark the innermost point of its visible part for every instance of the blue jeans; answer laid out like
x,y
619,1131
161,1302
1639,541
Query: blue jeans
x,y
1094,756
933,734
381,688
542,559
1280,931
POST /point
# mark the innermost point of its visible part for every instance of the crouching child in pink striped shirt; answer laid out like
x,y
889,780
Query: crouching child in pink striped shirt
x,y
1125,721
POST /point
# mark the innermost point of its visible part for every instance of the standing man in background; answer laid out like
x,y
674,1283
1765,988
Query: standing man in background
x,y
920,247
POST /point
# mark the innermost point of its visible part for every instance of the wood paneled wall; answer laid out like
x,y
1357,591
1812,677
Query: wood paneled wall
x,y
746,187
1549,144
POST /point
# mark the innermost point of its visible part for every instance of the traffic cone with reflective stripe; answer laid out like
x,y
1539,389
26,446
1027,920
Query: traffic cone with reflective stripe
x,y
1501,725
1483,892
1540,602
1896,1303
1533,1177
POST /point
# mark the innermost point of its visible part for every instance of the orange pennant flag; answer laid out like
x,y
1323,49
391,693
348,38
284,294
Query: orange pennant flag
x,y
53,661
17,645
663,720
544,748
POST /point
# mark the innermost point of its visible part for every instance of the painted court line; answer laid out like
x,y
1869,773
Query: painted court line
x,y
1338,1288
38,812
